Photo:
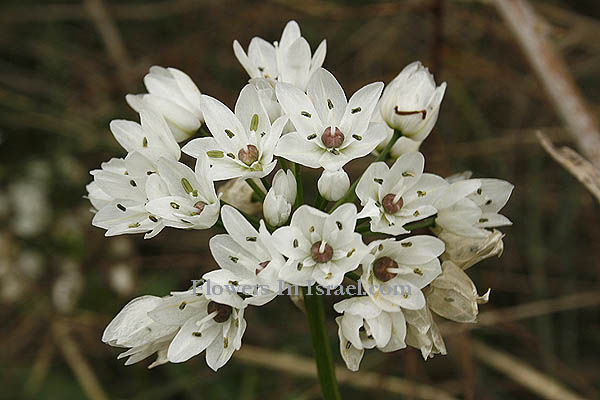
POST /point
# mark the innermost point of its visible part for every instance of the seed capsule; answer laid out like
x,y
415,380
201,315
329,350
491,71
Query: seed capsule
x,y
223,311
200,207
248,155
332,140
381,266
323,257
389,206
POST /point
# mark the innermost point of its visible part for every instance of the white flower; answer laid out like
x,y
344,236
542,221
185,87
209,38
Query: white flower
x,y
330,131
278,203
267,97
173,94
453,295
120,191
468,207
288,60
214,327
394,272
467,251
365,326
423,333
402,146
320,247
248,258
132,327
191,201
333,184
151,137
411,102
243,143
393,197
177,327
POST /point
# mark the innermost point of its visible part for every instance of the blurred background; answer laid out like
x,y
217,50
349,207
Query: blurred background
x,y
65,67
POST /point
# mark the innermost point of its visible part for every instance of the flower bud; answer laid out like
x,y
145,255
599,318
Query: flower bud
x,y
173,95
422,333
468,251
240,195
453,295
411,102
333,184
277,206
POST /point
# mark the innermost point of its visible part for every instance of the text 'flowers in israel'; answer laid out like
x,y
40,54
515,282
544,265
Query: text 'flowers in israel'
x,y
395,225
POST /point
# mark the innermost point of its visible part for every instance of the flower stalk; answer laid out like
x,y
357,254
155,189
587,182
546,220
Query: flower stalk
x,y
320,342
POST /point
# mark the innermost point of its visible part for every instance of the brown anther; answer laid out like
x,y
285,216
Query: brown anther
x,y
389,206
332,140
323,257
200,207
263,265
404,113
223,311
248,155
381,266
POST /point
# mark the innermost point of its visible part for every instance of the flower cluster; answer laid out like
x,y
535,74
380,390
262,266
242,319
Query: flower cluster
x,y
413,230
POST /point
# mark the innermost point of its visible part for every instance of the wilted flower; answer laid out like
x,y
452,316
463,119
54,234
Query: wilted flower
x,y
467,251
423,333
411,102
172,94
333,185
240,195
288,60
278,203
453,295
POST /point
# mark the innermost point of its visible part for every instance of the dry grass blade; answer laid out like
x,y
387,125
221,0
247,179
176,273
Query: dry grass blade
x,y
530,30
78,364
527,376
302,366
578,166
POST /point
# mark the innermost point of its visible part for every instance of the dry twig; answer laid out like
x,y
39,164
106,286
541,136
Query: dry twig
x,y
302,366
530,30
522,373
578,166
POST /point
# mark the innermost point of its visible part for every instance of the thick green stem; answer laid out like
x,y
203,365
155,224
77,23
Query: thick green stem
x,y
350,195
424,223
284,163
257,190
266,183
320,341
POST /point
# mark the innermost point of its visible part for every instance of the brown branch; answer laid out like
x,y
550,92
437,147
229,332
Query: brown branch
x,y
578,166
303,366
522,373
530,31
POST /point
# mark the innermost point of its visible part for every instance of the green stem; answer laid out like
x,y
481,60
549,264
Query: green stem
x,y
261,195
353,275
266,183
320,202
424,223
284,163
298,176
320,341
350,195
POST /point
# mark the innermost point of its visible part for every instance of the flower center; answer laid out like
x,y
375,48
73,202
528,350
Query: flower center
x,y
320,253
390,206
332,139
381,266
200,207
248,155
223,311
